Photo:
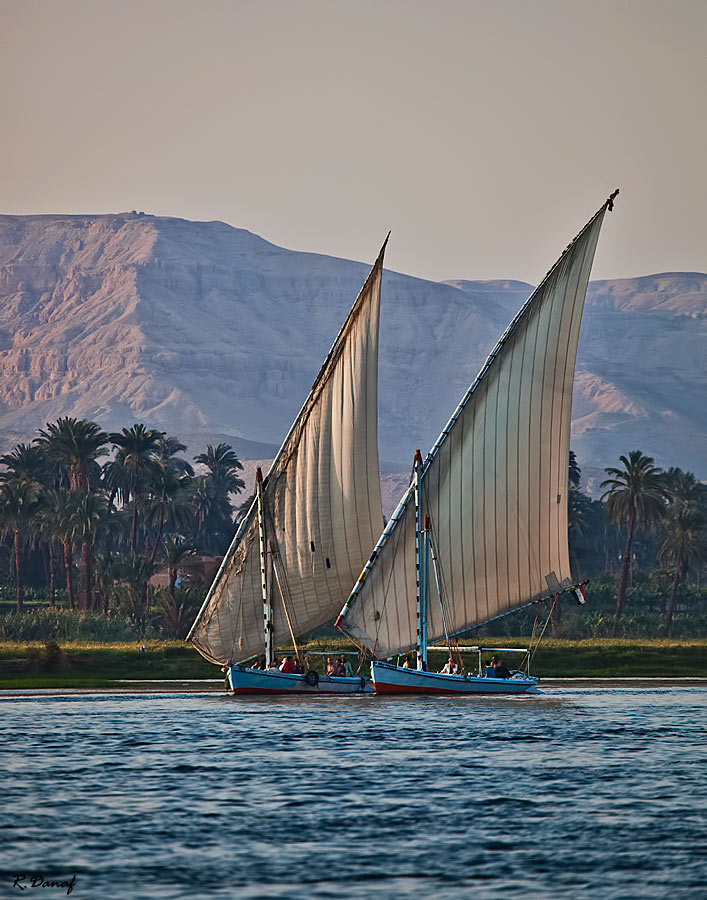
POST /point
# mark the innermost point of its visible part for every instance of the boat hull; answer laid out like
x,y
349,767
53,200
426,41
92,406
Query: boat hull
x,y
389,679
271,681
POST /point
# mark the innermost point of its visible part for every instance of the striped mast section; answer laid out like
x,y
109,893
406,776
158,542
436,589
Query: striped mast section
x,y
420,568
265,579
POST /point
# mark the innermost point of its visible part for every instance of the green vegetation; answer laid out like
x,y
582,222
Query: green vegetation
x,y
105,665
87,518
90,536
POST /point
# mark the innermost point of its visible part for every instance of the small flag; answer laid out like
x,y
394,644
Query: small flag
x,y
580,594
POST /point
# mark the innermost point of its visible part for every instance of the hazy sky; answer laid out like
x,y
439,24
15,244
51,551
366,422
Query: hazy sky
x,y
483,134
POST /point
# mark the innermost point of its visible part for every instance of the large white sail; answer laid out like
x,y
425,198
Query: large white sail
x,y
322,504
495,483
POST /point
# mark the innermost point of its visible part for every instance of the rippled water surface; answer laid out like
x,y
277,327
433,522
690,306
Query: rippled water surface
x,y
586,793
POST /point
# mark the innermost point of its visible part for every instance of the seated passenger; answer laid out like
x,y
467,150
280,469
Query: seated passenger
x,y
449,668
330,667
298,667
406,664
500,671
348,668
288,666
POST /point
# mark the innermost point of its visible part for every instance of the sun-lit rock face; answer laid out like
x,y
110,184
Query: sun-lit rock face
x,y
212,333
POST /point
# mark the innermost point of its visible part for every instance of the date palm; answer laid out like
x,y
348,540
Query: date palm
x,y
575,473
24,461
174,552
136,459
684,489
87,515
75,444
168,503
168,448
56,523
223,465
683,545
19,503
636,497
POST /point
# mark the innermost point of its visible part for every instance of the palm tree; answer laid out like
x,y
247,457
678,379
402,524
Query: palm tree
x,y
136,572
211,511
75,444
168,502
683,544
575,473
136,456
636,497
88,513
19,502
24,461
684,489
223,464
57,524
167,449
174,551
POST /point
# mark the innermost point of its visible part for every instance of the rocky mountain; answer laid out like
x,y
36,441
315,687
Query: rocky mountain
x,y
212,333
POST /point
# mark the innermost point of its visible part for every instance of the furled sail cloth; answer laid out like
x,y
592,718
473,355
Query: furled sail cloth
x,y
322,504
495,483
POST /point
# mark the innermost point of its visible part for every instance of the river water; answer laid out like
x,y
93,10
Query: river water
x,y
593,792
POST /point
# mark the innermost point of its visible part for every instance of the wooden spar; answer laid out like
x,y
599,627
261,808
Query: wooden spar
x,y
284,606
420,568
265,578
425,585
437,584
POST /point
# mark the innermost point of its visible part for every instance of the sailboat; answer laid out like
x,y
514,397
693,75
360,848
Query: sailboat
x,y
482,529
311,526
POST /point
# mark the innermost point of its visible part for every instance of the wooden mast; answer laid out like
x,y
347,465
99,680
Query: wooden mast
x,y
265,577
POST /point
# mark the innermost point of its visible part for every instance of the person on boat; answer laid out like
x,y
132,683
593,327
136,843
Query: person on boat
x,y
255,664
348,668
499,670
330,667
406,664
275,664
449,668
298,667
288,666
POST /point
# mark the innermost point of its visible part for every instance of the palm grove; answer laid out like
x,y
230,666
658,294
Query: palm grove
x,y
93,515
95,532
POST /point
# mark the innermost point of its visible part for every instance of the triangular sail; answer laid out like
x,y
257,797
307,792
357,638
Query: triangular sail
x,y
495,483
322,504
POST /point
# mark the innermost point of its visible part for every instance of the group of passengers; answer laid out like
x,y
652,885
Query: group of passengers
x,y
336,667
339,667
289,664
495,669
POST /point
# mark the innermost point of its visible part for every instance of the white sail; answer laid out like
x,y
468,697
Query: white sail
x,y
495,483
322,504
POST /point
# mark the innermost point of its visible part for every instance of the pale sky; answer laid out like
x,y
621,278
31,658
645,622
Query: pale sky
x,y
484,134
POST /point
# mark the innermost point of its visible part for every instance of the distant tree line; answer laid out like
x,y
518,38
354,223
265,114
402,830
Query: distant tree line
x,y
649,527
92,515
87,517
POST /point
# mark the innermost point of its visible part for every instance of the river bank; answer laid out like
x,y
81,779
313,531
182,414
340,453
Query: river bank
x,y
93,665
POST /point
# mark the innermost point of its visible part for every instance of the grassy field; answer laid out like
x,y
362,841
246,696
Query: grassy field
x,y
92,665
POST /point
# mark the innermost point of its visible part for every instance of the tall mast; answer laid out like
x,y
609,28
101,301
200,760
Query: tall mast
x,y
265,578
420,567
